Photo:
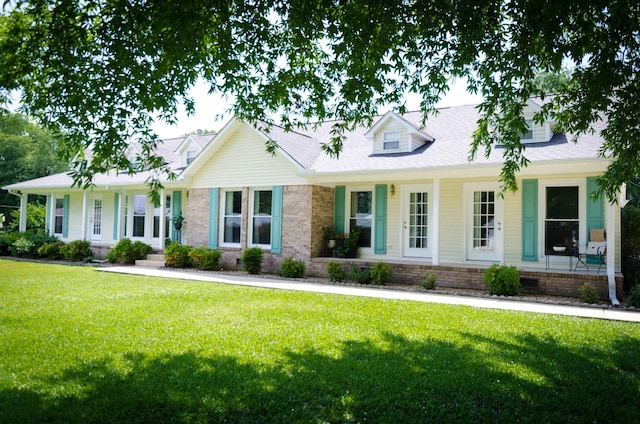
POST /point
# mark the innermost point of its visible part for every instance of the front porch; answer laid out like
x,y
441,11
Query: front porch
x,y
554,282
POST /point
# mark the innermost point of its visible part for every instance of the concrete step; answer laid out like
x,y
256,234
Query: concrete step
x,y
155,257
150,263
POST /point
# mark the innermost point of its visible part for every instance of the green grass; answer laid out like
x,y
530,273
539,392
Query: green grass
x,y
82,346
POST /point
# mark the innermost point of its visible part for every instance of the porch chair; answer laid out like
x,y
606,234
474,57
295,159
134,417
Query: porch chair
x,y
596,249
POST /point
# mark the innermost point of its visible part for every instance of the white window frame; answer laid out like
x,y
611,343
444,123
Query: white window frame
x,y
146,215
531,129
581,183
389,137
223,205
251,216
347,212
56,216
190,155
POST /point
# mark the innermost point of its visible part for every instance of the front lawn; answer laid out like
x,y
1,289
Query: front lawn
x,y
81,346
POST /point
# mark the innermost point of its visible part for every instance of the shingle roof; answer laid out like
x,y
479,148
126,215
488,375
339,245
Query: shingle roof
x,y
452,129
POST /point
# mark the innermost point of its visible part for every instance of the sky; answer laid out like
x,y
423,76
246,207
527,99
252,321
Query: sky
x,y
209,106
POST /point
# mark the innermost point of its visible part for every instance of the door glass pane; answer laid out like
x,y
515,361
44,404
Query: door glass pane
x,y
97,217
418,218
483,221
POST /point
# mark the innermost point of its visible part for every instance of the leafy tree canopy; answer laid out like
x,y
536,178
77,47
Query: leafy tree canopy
x,y
103,70
27,151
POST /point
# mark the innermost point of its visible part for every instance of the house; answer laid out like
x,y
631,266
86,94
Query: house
x,y
422,204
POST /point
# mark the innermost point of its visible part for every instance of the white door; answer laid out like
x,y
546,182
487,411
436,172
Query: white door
x,y
484,222
95,221
416,229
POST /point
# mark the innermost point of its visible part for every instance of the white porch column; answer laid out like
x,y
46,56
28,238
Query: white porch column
x,y
611,252
163,206
51,210
119,212
435,232
84,216
22,224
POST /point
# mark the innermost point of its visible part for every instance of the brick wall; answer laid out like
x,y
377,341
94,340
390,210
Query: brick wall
x,y
196,232
549,283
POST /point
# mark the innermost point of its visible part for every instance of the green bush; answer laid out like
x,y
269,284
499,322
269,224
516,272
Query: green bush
x,y
291,268
429,283
77,251
206,259
28,245
502,280
381,274
634,296
51,250
360,275
23,248
588,294
128,252
252,260
4,246
176,255
336,271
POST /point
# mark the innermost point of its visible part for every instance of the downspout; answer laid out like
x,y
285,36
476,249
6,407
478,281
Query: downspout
x,y
611,254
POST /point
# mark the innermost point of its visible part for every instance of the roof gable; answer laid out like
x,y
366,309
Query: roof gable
x,y
393,134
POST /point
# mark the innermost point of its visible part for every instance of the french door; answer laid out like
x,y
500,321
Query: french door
x,y
484,215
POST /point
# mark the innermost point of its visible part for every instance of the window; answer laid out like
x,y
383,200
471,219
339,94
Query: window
x,y
232,217
126,214
562,224
191,154
361,216
528,135
391,140
167,217
59,216
139,212
261,218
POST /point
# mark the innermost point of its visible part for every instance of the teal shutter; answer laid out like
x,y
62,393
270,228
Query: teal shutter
x,y
65,217
595,209
595,213
276,219
50,207
116,215
380,224
340,194
530,220
176,211
213,217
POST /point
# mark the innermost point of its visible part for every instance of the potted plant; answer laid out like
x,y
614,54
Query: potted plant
x,y
351,242
178,221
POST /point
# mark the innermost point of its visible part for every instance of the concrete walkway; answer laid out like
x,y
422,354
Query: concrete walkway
x,y
478,302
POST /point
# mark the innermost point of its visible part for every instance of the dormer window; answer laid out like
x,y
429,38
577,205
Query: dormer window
x,y
391,141
191,154
527,135
133,160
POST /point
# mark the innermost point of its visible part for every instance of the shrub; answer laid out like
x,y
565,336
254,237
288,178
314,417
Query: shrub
x,y
22,248
634,296
4,246
335,271
429,283
126,252
51,250
291,268
176,255
502,280
28,247
77,251
206,259
252,260
381,274
588,294
360,275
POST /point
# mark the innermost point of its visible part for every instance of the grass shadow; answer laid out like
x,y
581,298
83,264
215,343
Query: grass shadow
x,y
475,379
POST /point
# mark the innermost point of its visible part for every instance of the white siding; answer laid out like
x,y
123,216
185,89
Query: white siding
x,y
451,221
244,162
391,125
